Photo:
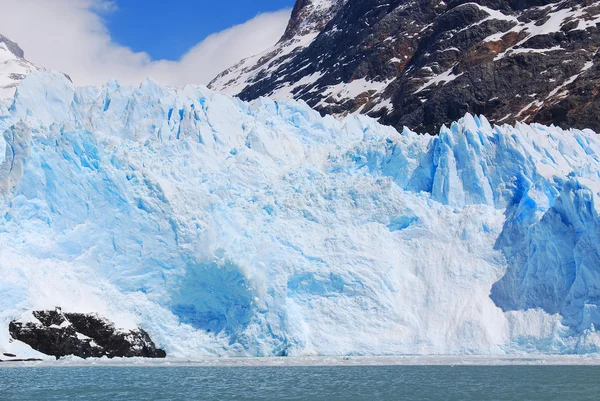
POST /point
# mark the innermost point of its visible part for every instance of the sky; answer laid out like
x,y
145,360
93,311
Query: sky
x,y
173,42
167,31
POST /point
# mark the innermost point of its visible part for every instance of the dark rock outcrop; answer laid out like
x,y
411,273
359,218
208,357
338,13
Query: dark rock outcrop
x,y
424,63
84,335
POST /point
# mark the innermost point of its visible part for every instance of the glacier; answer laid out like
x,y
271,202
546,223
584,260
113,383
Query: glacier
x,y
226,228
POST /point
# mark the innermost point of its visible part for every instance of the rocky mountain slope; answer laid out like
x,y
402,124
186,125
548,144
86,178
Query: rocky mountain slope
x,y
424,63
13,67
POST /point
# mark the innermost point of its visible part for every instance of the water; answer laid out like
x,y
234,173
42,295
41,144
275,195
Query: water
x,y
301,383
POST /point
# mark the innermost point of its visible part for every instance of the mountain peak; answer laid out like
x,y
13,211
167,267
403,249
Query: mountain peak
x,y
12,47
309,16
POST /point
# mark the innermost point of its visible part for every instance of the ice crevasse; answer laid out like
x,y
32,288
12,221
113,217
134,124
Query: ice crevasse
x,y
226,228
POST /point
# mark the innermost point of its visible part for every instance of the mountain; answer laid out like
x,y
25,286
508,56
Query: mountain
x,y
424,63
13,67
308,19
220,227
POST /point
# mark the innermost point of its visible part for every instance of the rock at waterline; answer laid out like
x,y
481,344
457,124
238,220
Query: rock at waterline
x,y
83,335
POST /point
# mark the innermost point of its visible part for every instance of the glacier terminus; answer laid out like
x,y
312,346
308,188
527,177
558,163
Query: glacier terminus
x,y
226,228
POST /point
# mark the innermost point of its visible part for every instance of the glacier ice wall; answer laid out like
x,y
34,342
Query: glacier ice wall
x,y
252,229
554,261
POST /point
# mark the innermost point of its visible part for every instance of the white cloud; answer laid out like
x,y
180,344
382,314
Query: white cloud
x,y
69,36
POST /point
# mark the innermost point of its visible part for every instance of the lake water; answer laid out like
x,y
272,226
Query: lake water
x,y
300,383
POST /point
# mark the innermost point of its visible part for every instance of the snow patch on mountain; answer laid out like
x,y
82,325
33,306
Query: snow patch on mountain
x,y
251,229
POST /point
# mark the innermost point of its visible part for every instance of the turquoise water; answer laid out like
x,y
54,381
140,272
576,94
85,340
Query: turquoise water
x,y
302,383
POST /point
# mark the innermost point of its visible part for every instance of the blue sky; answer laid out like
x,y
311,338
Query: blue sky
x,y
168,29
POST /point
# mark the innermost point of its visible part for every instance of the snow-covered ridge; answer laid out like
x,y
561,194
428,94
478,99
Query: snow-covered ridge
x,y
13,67
229,228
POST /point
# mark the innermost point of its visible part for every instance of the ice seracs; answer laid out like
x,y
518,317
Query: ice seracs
x,y
256,229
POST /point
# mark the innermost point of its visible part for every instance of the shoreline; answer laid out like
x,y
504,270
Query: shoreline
x,y
319,361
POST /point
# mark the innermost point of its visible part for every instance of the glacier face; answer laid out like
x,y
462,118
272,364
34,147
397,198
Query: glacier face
x,y
252,229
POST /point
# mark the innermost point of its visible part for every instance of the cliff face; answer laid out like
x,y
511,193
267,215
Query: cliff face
x,y
424,63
